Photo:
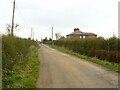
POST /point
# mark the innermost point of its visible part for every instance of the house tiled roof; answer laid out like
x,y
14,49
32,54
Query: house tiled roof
x,y
82,33
76,33
89,34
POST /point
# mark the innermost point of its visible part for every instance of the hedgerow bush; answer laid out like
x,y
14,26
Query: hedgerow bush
x,y
105,49
14,53
14,48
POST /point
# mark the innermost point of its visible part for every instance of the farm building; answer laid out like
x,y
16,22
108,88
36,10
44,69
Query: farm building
x,y
77,34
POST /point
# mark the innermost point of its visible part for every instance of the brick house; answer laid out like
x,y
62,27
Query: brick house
x,y
77,34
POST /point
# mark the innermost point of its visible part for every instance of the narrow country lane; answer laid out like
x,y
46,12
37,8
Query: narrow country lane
x,y
59,70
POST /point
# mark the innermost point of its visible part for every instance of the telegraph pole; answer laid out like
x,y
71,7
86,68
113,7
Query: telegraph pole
x,y
31,33
12,28
52,35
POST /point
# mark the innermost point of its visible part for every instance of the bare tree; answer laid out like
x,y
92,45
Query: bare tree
x,y
16,26
8,28
58,35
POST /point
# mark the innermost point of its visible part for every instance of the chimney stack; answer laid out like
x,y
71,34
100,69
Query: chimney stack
x,y
76,29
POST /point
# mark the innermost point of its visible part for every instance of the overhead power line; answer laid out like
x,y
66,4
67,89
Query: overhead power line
x,y
22,16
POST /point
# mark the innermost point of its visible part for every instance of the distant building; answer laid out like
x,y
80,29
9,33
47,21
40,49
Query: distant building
x,y
77,34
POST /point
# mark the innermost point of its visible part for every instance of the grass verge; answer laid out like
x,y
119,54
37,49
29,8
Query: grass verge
x,y
109,65
25,75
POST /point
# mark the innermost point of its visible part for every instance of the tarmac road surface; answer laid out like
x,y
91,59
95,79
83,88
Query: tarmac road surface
x,y
60,70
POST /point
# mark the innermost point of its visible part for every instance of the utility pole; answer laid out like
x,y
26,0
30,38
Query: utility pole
x,y
31,33
12,28
52,35
41,41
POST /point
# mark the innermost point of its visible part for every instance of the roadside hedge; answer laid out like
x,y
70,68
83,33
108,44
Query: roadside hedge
x,y
15,52
105,49
14,49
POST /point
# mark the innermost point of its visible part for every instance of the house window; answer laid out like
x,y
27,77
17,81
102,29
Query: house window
x,y
82,36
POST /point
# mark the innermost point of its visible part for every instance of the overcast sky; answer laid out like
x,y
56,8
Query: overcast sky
x,y
96,16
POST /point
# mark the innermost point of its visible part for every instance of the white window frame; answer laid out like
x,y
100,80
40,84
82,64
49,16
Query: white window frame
x,y
83,36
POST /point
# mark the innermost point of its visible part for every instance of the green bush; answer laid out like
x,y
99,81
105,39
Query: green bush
x,y
105,49
14,53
